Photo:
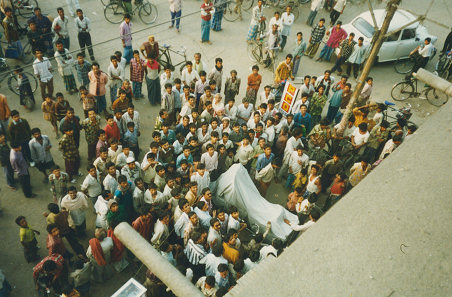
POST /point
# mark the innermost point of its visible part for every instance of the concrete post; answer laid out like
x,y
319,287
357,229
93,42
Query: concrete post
x,y
153,260
434,81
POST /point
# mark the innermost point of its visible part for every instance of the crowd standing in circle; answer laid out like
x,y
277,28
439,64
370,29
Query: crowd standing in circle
x,y
167,191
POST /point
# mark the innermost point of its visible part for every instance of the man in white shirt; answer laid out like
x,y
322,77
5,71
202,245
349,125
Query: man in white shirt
x,y
188,74
313,217
264,96
210,158
360,136
291,146
59,28
425,51
40,146
338,9
161,231
244,152
83,25
91,185
315,7
287,19
153,196
110,181
131,116
244,112
42,69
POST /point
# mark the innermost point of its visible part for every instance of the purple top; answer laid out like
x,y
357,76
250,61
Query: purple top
x,y
18,162
336,37
125,33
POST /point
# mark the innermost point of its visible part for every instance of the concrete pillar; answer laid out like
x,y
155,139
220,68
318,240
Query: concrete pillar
x,y
434,81
153,260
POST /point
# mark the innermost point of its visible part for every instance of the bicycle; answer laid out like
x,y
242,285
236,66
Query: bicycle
x,y
443,66
114,12
27,52
231,11
25,8
404,65
13,85
164,57
408,88
400,113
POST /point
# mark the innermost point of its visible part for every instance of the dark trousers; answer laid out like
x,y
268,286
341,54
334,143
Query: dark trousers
x,y
421,62
9,173
338,64
24,181
92,151
46,85
334,15
26,151
332,112
283,42
136,150
175,17
355,69
73,242
84,40
80,230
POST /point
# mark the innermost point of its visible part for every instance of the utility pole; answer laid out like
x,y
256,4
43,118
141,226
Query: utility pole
x,y
379,36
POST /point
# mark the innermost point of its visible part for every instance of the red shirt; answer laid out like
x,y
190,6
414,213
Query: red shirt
x,y
206,9
337,188
112,131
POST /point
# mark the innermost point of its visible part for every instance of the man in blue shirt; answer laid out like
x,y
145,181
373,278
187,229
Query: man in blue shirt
x,y
167,134
303,119
264,159
184,156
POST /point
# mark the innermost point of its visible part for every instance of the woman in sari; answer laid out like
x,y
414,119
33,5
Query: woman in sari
x,y
99,254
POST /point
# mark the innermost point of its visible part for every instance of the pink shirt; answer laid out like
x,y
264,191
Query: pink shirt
x,y
336,37
93,83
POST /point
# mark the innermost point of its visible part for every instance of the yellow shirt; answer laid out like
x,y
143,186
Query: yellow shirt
x,y
26,234
230,254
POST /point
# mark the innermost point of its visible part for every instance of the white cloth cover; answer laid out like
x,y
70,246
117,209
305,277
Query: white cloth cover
x,y
235,187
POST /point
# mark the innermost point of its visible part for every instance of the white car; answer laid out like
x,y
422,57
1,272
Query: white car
x,y
397,45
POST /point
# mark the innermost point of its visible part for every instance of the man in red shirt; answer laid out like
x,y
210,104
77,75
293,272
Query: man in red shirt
x,y
49,271
112,129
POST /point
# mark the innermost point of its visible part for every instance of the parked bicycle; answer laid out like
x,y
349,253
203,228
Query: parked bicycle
x,y
27,53
13,84
443,66
399,113
409,88
404,65
25,8
114,12
165,60
6,72
231,13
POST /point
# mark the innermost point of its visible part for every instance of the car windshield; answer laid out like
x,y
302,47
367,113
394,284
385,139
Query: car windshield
x,y
364,27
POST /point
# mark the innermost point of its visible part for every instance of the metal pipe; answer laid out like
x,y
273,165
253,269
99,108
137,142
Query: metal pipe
x,y
153,260
434,81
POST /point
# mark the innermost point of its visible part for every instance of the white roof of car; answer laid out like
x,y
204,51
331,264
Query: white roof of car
x,y
401,18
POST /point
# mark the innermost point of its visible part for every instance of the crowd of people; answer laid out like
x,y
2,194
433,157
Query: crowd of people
x,y
167,192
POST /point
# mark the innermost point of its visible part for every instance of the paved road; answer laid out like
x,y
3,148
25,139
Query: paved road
x,y
228,44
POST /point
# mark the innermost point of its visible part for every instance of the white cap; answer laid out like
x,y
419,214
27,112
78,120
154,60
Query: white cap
x,y
130,160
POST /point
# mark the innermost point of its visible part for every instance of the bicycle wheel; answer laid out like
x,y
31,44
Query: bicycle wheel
x,y
114,13
404,65
13,85
163,60
148,13
436,97
281,3
106,2
402,91
26,7
27,54
230,12
247,4
254,52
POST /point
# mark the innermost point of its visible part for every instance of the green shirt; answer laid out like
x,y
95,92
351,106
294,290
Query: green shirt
x,y
26,234
317,104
